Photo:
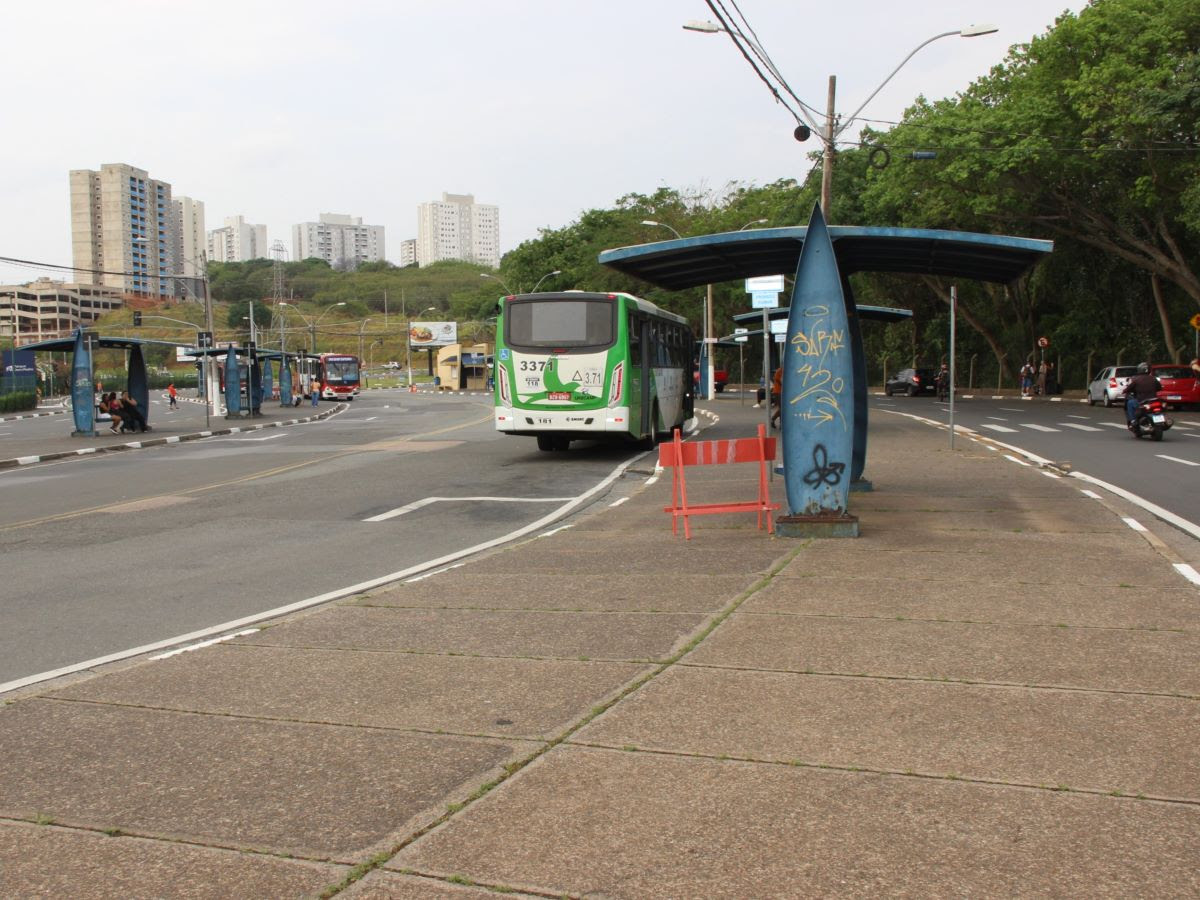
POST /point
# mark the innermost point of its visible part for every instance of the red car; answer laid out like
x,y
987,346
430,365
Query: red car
x,y
1181,387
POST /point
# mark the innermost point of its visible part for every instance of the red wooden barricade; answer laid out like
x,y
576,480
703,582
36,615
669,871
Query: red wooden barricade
x,y
678,456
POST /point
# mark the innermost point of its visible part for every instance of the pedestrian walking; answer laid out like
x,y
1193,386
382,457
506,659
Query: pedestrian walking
x,y
315,387
171,396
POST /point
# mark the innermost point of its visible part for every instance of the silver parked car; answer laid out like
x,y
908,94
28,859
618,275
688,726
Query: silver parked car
x,y
1108,387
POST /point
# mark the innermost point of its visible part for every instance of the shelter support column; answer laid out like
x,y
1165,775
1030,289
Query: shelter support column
x,y
818,402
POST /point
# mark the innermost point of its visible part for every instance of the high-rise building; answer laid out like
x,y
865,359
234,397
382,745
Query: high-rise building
x,y
123,230
342,241
238,241
189,243
408,253
458,228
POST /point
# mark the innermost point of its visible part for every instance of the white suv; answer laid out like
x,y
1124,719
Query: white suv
x,y
1108,387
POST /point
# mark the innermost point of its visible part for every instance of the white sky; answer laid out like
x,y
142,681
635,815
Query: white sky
x,y
545,108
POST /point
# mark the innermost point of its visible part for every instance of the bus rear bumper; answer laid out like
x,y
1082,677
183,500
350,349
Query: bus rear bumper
x,y
542,421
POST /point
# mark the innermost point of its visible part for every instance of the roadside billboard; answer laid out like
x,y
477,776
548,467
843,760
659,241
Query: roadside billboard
x,y
432,334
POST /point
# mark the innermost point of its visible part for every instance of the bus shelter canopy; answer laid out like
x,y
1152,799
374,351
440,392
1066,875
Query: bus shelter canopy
x,y
714,258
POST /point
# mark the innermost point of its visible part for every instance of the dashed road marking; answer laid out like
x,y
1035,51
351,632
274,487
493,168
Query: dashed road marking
x,y
1186,462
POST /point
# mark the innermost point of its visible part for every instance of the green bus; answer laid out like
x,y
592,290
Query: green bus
x,y
574,365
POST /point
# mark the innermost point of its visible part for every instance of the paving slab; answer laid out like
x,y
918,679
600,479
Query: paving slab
x,y
525,698
380,885
463,589
992,568
570,635
855,595
1084,740
1164,662
707,553
637,825
317,791
48,861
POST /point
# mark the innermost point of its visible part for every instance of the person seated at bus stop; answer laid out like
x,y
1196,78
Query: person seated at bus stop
x,y
132,416
776,393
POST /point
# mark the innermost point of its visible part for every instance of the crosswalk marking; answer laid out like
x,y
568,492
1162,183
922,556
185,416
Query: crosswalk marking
x,y
1080,427
1037,427
1002,428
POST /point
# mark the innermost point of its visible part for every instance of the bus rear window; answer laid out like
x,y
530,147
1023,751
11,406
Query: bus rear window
x,y
560,323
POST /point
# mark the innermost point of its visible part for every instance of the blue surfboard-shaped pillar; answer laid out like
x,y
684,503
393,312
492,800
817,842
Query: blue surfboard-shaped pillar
x,y
233,386
82,398
818,397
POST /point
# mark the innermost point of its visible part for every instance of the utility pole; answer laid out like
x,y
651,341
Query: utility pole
x,y
827,162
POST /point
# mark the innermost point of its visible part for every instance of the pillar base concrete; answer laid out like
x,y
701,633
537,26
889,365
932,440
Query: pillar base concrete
x,y
862,485
823,526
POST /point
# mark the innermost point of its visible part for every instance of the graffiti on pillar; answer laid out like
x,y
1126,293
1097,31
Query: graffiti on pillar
x,y
818,412
819,393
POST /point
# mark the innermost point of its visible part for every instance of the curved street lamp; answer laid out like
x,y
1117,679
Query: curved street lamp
x,y
495,278
662,225
709,340
827,133
755,222
543,278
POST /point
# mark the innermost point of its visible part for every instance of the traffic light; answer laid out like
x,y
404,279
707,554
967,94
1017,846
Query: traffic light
x,y
137,318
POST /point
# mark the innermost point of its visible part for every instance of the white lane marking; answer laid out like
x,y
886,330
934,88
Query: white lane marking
x,y
1002,428
1037,427
1017,460
337,594
190,647
616,503
998,418
1186,462
245,440
1088,493
1115,425
1074,416
1154,509
1133,523
370,418
1011,409
1048,473
557,530
1188,572
1080,427
411,507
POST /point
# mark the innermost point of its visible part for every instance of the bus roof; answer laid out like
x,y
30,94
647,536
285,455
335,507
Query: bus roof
x,y
643,305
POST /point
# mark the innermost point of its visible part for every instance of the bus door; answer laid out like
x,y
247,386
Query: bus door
x,y
640,354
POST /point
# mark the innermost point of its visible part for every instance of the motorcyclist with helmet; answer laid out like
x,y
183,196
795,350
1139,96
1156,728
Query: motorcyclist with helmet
x,y
1142,386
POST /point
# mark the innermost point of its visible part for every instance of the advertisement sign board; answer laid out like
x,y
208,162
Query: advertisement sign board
x,y
432,334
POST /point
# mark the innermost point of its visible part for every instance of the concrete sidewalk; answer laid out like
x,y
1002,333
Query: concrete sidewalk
x,y
995,690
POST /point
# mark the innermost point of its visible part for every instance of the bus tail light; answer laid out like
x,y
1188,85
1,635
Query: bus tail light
x,y
503,382
618,385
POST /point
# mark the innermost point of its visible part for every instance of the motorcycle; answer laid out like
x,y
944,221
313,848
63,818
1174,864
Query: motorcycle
x,y
1150,418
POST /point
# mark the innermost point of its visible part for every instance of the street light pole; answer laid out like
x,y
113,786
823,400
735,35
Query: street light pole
x,y
829,133
495,278
708,340
543,278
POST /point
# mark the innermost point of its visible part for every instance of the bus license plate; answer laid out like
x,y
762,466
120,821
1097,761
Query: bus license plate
x,y
1158,417
559,395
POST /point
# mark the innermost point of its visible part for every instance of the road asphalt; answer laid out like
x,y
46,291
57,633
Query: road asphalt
x,y
993,691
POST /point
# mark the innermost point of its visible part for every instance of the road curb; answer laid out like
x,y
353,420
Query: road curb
x,y
159,442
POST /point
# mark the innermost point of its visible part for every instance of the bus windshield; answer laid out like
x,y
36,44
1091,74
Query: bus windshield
x,y
341,370
560,323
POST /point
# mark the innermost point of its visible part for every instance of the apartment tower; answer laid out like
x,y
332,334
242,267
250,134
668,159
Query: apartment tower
x,y
342,241
123,230
458,228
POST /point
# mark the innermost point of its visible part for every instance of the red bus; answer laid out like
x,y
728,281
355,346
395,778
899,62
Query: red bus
x,y
338,374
